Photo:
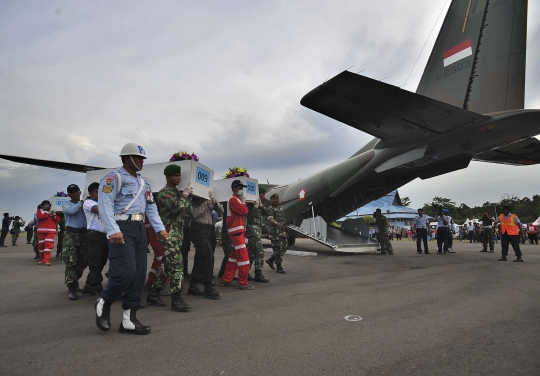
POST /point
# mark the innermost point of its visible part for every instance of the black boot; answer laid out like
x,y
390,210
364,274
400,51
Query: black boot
x,y
250,278
193,289
177,303
155,299
103,314
186,276
210,292
221,271
130,324
280,269
270,262
259,277
72,295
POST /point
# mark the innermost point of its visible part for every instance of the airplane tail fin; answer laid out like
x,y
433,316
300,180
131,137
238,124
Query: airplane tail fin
x,y
478,61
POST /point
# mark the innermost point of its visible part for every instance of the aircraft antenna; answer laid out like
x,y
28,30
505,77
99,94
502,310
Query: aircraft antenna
x,y
422,50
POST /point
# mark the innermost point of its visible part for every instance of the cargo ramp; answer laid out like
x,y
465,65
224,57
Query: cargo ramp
x,y
349,238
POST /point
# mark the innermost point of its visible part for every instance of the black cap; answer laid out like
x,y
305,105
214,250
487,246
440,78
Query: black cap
x,y
237,183
72,188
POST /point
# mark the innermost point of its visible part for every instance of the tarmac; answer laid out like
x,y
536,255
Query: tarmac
x,y
333,314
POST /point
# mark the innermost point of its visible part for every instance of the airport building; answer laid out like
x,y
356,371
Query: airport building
x,y
391,207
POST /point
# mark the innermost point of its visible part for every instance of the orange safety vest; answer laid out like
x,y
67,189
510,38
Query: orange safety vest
x,y
508,226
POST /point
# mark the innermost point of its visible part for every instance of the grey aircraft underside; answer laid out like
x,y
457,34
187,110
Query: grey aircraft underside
x,y
468,106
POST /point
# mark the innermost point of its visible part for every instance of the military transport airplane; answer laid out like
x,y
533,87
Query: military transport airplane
x,y
468,106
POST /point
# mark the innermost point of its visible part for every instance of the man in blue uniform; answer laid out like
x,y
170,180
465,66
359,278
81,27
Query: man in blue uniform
x,y
124,198
443,222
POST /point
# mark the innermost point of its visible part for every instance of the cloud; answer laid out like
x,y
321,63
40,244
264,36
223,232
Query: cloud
x,y
78,80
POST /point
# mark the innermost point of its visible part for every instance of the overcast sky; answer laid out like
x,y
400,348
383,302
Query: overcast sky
x,y
79,79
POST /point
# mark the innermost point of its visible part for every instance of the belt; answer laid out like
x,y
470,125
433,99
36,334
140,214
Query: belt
x,y
204,225
77,230
129,217
95,232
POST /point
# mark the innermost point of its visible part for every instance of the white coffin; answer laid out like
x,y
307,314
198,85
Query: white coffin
x,y
56,203
223,191
200,177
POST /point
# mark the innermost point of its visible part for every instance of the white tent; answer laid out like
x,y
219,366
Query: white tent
x,y
537,222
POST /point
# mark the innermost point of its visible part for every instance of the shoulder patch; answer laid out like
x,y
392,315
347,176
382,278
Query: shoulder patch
x,y
107,189
109,179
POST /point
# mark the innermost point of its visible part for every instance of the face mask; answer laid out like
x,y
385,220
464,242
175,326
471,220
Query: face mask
x,y
45,207
240,192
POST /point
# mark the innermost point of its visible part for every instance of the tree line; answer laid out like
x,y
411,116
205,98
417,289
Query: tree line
x,y
528,210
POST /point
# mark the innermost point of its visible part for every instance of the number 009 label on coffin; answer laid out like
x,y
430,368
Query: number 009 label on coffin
x,y
203,176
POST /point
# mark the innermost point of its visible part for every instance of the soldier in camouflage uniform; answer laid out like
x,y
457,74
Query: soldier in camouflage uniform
x,y
253,234
17,223
174,208
75,242
487,233
278,234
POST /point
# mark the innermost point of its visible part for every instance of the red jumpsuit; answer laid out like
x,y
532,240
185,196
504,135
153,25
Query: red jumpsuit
x,y
45,232
238,259
152,238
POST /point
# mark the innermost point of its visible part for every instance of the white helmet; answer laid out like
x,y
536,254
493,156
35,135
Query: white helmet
x,y
132,148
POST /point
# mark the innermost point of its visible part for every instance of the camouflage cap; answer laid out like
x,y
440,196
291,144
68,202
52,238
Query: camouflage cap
x,y
274,195
172,169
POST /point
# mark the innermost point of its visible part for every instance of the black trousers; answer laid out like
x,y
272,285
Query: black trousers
x,y
533,238
472,237
3,236
204,238
442,238
512,240
60,243
186,245
29,235
127,266
421,235
98,250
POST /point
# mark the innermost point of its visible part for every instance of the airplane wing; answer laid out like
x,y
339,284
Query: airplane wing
x,y
51,164
385,111
524,152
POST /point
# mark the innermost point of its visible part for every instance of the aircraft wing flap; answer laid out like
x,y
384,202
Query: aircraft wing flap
x,y
51,164
521,153
383,110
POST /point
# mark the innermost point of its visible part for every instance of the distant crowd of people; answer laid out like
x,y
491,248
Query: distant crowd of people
x,y
488,231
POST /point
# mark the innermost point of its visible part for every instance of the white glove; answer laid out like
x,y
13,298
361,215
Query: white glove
x,y
257,203
188,190
52,212
212,196
243,199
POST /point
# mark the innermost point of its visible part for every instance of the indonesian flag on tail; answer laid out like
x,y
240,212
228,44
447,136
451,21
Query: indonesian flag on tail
x,y
457,53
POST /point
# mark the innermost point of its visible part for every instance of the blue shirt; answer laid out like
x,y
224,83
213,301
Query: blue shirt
x,y
74,214
112,200
440,222
421,222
